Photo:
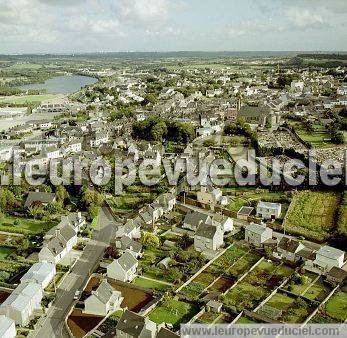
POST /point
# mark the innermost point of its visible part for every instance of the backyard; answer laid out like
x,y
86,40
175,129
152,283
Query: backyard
x,y
312,215
151,284
256,286
24,226
173,312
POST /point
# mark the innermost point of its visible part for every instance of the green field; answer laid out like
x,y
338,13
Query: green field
x,y
20,66
173,312
312,215
26,99
25,226
336,307
319,138
149,284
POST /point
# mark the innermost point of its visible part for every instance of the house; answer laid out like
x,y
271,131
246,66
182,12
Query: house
x,y
163,332
152,157
214,306
167,202
193,219
127,243
208,237
226,223
327,257
132,228
103,301
244,213
41,273
59,245
7,327
51,152
211,196
132,325
267,210
22,303
288,248
43,198
76,221
257,234
123,268
336,276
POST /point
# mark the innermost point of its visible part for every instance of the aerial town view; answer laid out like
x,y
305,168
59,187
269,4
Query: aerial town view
x,y
168,166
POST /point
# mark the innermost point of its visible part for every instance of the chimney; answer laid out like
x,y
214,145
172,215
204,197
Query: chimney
x,y
57,232
79,215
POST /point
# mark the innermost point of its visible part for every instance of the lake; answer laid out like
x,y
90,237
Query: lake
x,y
66,84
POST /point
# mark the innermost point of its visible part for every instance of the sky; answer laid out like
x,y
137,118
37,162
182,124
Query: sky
x,y
66,26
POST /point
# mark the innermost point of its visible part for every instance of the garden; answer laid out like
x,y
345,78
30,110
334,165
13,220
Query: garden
x,y
291,309
312,215
25,226
173,312
256,286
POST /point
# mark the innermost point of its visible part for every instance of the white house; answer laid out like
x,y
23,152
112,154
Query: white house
x,y
22,302
167,201
132,228
59,245
103,301
123,268
7,327
41,273
327,257
269,210
257,234
226,223
208,237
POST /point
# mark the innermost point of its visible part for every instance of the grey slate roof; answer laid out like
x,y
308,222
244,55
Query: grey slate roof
x,y
288,244
195,218
127,261
131,323
43,197
206,231
165,333
104,292
330,252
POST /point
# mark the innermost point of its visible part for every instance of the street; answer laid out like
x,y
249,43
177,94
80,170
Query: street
x,y
52,325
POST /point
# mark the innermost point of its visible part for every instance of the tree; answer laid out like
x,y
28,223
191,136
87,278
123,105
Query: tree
x,y
174,274
150,240
337,137
61,193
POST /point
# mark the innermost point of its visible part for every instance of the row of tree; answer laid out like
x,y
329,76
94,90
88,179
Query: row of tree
x,y
155,128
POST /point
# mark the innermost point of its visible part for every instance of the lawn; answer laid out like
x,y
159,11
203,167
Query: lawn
x,y
25,226
245,320
336,307
280,301
319,138
312,215
243,197
173,312
245,296
26,99
5,251
149,284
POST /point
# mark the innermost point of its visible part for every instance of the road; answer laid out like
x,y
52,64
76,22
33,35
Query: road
x,y
52,325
